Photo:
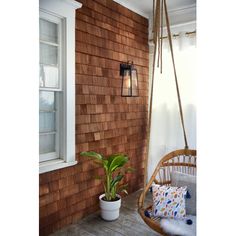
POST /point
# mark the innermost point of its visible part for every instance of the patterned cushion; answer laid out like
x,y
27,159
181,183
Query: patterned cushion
x,y
169,201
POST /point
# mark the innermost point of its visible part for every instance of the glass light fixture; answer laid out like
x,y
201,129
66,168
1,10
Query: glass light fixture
x,y
129,75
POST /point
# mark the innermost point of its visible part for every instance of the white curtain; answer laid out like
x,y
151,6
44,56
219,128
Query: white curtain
x,y
166,129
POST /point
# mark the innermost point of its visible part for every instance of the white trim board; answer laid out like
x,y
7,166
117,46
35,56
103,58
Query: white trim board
x,y
130,6
54,165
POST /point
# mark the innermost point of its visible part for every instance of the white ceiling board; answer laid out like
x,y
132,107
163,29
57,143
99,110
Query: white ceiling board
x,y
182,15
145,7
137,6
175,4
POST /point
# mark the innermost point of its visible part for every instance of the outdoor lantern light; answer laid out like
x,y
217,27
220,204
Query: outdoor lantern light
x,y
129,80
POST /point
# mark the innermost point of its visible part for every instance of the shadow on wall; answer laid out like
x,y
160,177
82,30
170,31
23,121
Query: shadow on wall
x,y
167,134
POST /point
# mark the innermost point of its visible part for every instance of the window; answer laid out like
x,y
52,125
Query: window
x,y
56,84
51,89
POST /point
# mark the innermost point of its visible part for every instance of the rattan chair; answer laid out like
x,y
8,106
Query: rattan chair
x,y
182,160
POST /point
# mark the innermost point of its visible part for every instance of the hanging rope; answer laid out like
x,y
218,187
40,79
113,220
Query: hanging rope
x,y
175,74
157,39
157,30
155,35
161,36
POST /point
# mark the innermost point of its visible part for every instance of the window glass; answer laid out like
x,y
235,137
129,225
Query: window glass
x,y
48,31
46,143
46,121
47,100
49,76
134,82
48,54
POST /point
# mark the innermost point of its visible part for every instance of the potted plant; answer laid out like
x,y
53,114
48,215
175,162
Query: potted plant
x,y
114,169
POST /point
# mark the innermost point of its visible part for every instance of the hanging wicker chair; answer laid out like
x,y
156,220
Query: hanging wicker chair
x,y
182,160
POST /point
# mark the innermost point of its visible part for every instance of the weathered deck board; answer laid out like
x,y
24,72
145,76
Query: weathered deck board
x,y
128,224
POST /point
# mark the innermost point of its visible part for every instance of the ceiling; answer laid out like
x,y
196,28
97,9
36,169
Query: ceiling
x,y
145,7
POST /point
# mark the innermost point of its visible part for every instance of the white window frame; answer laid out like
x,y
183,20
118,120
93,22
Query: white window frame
x,y
65,9
59,103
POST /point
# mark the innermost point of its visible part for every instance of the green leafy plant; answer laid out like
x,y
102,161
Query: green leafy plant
x,y
114,168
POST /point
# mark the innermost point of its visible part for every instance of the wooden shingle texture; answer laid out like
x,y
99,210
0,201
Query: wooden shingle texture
x,y
106,35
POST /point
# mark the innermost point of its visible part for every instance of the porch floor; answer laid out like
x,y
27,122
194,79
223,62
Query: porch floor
x,y
129,223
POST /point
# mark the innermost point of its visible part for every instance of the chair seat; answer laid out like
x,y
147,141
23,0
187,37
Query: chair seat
x,y
173,226
179,227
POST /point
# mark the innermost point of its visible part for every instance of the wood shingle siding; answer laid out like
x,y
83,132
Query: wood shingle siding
x,y
106,35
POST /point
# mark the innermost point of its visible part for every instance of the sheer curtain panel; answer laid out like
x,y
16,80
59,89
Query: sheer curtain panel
x,y
166,130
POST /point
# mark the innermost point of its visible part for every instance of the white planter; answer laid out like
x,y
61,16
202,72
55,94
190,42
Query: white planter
x,y
110,210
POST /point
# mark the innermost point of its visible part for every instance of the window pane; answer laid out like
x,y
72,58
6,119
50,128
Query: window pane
x,y
46,121
48,31
46,143
46,100
48,76
48,54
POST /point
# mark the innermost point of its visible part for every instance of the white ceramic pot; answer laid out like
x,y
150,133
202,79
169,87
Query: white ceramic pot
x,y
110,210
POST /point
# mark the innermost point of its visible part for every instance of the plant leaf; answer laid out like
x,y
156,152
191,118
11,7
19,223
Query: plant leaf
x,y
105,165
122,188
98,158
111,158
124,191
116,180
92,155
118,161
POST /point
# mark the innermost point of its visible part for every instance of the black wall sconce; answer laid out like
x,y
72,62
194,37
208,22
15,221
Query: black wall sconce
x,y
129,75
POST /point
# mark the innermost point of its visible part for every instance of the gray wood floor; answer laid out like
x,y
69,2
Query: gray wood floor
x,y
128,224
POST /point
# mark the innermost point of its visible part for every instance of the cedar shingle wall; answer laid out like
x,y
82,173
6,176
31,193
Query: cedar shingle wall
x,y
106,34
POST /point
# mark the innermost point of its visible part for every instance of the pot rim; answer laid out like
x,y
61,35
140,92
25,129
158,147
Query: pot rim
x,y
102,195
